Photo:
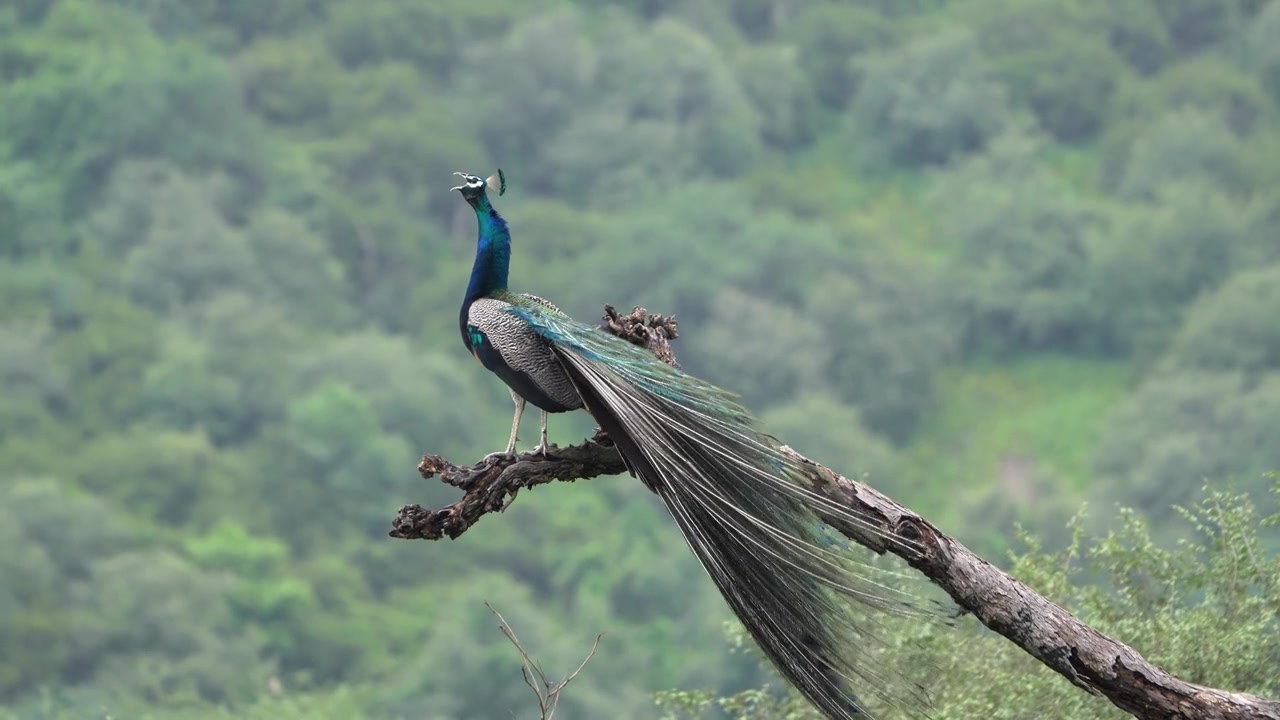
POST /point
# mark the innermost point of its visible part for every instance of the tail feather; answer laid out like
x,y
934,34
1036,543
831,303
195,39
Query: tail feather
x,y
743,509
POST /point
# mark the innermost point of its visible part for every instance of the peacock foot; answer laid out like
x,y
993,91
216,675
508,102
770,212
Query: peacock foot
x,y
543,449
495,457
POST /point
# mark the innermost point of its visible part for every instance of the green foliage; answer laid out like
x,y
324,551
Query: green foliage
x,y
33,628
298,271
428,36
79,110
1206,83
227,21
1188,241
266,595
105,355
1020,243
1211,410
334,436
521,89
188,255
1021,436
1194,24
930,101
34,386
840,439
1234,328
176,478
1181,427
289,81
30,206
779,89
163,631
1186,146
1053,61
998,256
1263,53
768,364
894,334
139,622
831,40
666,106
1133,30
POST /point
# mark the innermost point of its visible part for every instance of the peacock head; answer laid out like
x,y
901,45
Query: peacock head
x,y
474,186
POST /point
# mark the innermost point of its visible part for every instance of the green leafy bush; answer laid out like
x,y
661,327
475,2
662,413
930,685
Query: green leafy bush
x,y
931,100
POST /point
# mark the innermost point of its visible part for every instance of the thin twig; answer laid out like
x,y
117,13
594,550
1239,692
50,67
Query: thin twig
x,y
594,646
549,695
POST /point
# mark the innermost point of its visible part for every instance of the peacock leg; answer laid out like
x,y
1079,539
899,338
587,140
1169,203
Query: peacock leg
x,y
541,449
515,428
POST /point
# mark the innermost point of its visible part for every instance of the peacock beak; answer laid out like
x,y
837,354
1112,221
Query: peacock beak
x,y
465,176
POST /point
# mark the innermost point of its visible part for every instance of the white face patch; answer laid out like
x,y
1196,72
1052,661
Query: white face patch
x,y
473,182
497,181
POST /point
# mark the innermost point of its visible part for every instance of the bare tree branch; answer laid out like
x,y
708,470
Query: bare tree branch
x,y
489,487
549,694
1089,659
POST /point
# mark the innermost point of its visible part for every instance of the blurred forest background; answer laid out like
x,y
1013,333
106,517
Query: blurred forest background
x,y
1003,256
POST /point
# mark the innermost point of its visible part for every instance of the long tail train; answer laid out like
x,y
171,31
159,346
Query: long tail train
x,y
743,508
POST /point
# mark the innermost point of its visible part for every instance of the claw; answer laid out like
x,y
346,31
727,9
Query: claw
x,y
495,457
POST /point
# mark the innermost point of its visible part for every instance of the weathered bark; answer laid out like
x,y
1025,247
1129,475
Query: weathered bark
x,y
1091,660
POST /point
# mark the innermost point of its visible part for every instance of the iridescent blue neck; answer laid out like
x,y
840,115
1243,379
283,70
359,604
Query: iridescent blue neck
x,y
493,252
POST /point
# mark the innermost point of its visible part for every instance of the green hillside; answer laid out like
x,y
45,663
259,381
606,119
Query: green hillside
x,y
1003,256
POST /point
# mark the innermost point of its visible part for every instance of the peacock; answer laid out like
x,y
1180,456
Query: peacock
x,y
739,500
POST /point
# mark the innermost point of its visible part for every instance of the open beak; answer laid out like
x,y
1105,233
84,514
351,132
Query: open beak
x,y
459,187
